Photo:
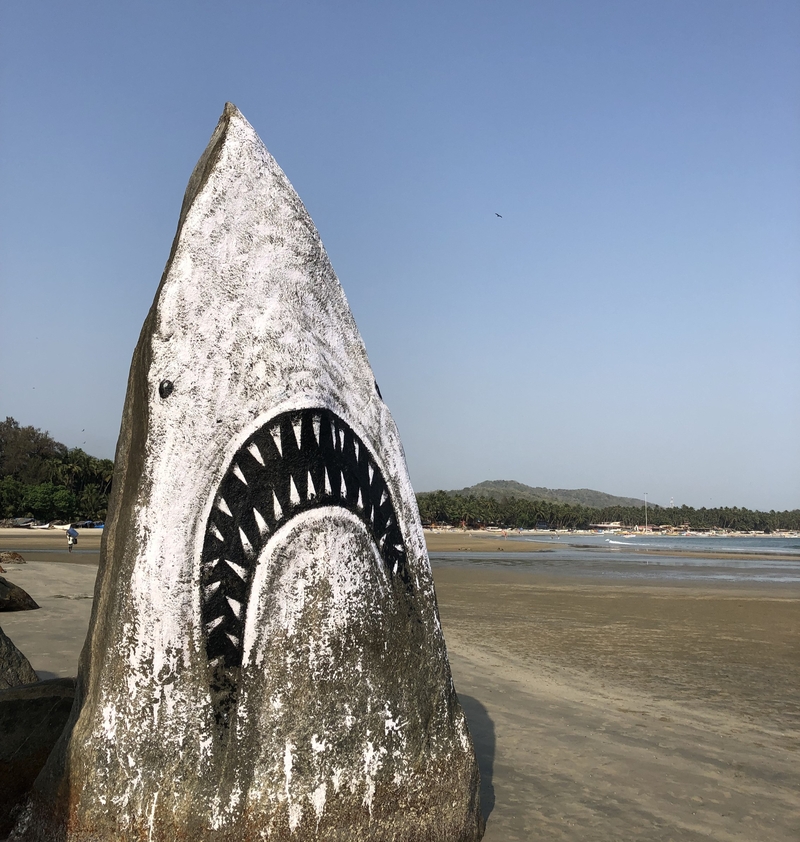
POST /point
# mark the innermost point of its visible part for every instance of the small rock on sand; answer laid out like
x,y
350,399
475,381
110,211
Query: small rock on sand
x,y
11,558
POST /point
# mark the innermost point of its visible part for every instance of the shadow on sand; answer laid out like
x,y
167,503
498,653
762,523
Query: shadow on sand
x,y
482,729
44,675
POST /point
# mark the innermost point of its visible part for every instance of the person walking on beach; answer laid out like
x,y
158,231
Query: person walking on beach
x,y
72,538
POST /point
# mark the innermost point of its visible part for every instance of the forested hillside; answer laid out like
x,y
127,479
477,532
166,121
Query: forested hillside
x,y
42,478
500,489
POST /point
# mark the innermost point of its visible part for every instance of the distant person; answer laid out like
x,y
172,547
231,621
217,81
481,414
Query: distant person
x,y
72,538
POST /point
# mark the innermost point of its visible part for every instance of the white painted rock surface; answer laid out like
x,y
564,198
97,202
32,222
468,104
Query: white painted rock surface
x,y
265,659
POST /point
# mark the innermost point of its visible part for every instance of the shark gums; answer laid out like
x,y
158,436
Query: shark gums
x,y
265,659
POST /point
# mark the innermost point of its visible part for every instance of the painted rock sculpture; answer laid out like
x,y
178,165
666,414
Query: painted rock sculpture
x,y
265,659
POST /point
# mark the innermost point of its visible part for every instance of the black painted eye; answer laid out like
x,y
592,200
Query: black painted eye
x,y
165,388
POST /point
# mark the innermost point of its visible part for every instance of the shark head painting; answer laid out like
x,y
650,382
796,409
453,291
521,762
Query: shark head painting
x,y
265,659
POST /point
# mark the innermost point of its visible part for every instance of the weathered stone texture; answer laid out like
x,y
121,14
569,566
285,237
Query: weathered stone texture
x,y
31,720
15,668
265,658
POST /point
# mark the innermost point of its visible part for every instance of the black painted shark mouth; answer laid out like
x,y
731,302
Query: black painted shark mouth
x,y
299,460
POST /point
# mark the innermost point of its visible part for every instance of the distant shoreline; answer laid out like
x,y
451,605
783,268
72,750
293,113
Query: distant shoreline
x,y
482,541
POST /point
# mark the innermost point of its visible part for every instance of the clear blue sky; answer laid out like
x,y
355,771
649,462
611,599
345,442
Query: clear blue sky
x,y
631,324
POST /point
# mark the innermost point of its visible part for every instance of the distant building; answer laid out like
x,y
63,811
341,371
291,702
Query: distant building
x,y
613,526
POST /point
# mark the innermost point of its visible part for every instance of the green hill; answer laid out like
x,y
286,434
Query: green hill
x,y
498,489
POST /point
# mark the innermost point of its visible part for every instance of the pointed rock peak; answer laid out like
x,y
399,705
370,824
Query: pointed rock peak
x,y
250,377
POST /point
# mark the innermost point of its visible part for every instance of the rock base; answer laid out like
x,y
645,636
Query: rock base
x,y
32,718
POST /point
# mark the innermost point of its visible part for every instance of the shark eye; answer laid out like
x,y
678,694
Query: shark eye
x,y
165,388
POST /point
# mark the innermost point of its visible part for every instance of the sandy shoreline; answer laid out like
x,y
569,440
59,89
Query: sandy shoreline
x,y
599,711
492,542
51,545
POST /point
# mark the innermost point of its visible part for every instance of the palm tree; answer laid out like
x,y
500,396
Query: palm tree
x,y
93,503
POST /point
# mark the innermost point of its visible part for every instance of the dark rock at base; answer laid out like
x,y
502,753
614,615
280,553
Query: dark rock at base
x,y
15,668
32,718
13,598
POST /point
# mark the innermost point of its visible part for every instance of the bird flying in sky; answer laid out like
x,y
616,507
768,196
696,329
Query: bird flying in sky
x,y
498,214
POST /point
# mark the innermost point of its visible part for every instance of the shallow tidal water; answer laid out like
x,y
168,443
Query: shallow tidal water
x,y
747,560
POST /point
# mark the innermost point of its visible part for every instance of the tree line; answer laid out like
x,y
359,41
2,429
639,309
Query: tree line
x,y
443,507
43,478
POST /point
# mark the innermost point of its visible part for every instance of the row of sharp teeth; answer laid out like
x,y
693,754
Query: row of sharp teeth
x,y
294,498
338,441
297,426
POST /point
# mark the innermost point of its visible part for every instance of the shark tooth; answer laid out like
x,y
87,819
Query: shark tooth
x,y
246,545
275,432
297,428
294,497
240,571
260,522
251,321
256,453
237,471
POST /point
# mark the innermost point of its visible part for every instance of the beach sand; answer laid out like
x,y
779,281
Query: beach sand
x,y
599,712
627,712
51,545
480,542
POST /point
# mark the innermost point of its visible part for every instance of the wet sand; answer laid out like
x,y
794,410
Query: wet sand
x,y
480,542
51,545
628,711
635,711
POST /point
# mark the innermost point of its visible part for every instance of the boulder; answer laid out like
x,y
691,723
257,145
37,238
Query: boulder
x,y
265,658
31,720
14,598
11,558
15,668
